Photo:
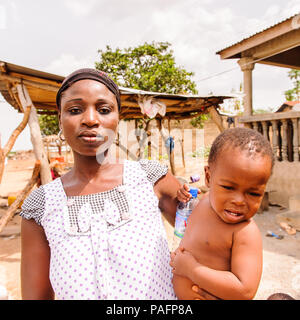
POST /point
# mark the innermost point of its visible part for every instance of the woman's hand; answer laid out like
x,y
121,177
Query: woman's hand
x,y
182,262
203,295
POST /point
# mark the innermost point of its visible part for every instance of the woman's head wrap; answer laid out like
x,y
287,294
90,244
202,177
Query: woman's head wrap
x,y
92,74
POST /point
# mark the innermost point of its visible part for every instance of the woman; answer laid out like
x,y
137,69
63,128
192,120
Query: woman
x,y
96,232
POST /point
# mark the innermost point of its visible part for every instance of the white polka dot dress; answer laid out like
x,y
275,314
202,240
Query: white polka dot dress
x,y
109,245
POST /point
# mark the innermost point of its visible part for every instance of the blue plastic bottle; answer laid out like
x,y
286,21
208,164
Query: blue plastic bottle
x,y
182,213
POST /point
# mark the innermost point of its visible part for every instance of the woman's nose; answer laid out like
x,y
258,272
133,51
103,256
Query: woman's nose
x,y
90,117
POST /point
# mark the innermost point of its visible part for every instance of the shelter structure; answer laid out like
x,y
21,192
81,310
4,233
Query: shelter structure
x,y
33,92
278,45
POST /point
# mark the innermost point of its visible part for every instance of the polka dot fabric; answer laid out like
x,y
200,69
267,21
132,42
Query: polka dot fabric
x,y
112,254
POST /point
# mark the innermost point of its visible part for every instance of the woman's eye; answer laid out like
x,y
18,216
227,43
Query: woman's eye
x,y
104,110
74,110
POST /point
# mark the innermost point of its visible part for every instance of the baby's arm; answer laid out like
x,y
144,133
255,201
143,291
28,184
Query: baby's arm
x,y
246,267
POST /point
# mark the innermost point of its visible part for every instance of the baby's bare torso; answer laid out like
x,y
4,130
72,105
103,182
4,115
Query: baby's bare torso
x,y
209,239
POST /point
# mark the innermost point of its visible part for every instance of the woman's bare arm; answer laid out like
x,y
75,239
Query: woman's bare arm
x,y
166,190
35,262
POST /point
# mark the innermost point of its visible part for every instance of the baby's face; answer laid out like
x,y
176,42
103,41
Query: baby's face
x,y
237,183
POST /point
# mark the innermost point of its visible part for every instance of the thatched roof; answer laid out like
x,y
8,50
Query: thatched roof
x,y
42,88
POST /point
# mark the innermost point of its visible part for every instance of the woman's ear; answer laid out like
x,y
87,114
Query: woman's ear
x,y
207,175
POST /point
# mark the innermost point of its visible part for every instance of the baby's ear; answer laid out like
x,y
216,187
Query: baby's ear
x,y
207,175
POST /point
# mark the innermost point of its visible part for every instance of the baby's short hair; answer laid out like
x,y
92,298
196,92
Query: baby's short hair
x,y
248,140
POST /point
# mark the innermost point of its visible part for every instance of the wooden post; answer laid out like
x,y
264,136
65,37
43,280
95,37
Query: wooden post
x,y
2,160
171,153
149,141
12,139
36,136
21,196
158,122
182,143
138,152
216,118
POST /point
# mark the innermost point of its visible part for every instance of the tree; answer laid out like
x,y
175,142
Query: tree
x,y
149,67
48,124
294,93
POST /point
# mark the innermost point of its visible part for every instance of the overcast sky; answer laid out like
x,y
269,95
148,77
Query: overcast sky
x,y
59,36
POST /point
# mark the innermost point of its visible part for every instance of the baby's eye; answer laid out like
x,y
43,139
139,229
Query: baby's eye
x,y
227,187
255,194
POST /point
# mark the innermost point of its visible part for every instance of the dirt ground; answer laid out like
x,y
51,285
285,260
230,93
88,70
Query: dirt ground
x,y
281,269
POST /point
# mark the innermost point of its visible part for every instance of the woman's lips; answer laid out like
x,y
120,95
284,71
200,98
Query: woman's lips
x,y
92,139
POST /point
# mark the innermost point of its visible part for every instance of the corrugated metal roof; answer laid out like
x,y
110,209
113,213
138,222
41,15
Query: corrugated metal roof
x,y
258,32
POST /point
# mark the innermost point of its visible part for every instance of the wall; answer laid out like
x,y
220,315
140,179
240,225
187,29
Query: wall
x,y
284,182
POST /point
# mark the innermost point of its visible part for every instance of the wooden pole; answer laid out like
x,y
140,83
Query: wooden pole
x,y
21,196
149,141
2,160
12,139
182,143
35,132
138,152
158,122
216,118
171,152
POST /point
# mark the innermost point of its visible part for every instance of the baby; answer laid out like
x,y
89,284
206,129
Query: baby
x,y
221,250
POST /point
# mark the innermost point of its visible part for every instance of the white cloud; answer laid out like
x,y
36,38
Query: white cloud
x,y
68,63
197,29
80,8
3,18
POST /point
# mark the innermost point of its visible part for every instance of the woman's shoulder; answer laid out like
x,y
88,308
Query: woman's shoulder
x,y
33,206
154,169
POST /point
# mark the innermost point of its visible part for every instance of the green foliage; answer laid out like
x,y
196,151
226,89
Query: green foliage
x,y
48,124
149,67
203,152
294,93
261,111
198,122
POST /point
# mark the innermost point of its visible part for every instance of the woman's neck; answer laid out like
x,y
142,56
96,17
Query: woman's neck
x,y
88,176
88,168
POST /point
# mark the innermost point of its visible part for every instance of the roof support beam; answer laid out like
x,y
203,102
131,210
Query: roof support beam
x,y
31,83
35,132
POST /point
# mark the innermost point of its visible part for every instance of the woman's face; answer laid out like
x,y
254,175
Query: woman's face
x,y
88,117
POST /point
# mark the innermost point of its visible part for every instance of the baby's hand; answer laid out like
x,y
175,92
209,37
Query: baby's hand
x,y
182,261
183,194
